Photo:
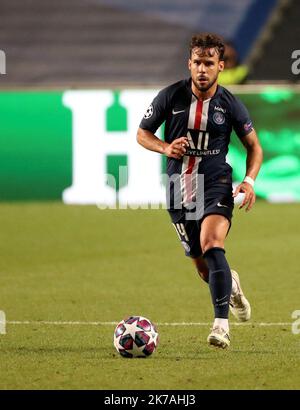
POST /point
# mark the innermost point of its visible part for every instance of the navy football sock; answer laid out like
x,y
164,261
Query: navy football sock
x,y
220,281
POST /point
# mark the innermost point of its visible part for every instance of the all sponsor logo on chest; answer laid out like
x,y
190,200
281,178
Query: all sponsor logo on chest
x,y
199,153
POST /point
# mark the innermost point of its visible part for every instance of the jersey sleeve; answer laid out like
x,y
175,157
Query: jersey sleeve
x,y
241,120
156,113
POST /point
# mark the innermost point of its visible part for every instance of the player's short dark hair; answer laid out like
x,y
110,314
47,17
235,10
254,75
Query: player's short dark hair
x,y
208,40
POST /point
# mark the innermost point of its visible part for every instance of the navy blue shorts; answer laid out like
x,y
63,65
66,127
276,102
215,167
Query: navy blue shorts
x,y
218,200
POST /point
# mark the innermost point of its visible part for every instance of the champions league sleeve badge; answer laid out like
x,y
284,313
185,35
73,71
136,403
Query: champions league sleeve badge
x,y
149,112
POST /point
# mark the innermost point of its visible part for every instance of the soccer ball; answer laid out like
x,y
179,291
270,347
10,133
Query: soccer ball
x,y
135,336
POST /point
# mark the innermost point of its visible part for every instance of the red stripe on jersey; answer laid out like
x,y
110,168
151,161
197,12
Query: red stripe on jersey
x,y
188,180
190,165
197,120
198,115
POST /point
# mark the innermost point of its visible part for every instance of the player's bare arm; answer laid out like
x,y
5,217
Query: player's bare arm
x,y
253,164
149,141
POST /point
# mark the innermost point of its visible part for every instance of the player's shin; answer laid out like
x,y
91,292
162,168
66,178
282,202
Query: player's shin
x,y
220,282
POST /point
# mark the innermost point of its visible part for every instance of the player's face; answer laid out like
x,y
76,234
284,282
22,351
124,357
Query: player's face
x,y
205,66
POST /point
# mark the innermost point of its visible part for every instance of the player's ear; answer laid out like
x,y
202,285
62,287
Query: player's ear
x,y
189,64
221,65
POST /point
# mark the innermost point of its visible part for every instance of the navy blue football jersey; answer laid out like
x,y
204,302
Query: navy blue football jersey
x,y
207,124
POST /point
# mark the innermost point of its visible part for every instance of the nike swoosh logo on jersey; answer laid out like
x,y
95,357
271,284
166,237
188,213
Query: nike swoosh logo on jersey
x,y
221,205
177,112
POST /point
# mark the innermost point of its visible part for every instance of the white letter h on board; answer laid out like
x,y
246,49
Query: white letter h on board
x,y
92,143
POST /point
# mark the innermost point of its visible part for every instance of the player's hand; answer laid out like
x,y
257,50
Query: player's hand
x,y
177,148
250,196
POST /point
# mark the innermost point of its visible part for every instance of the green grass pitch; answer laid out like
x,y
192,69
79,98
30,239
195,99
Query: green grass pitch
x,y
71,263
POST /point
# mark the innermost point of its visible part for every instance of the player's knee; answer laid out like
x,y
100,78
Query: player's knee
x,y
209,243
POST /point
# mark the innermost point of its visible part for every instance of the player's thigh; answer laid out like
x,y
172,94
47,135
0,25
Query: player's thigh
x,y
214,229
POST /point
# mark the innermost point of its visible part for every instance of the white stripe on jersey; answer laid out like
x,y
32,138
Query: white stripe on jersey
x,y
204,116
192,113
206,140
190,139
200,140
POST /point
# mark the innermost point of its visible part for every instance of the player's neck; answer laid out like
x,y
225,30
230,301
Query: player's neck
x,y
205,95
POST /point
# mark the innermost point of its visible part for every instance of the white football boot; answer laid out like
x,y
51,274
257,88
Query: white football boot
x,y
219,337
239,305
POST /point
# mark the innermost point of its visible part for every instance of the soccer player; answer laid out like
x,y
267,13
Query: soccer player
x,y
199,117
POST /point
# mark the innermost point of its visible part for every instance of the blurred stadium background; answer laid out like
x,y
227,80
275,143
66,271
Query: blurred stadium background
x,y
76,78
127,52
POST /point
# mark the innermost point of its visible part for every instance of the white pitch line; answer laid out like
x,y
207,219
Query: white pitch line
x,y
57,323
79,323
